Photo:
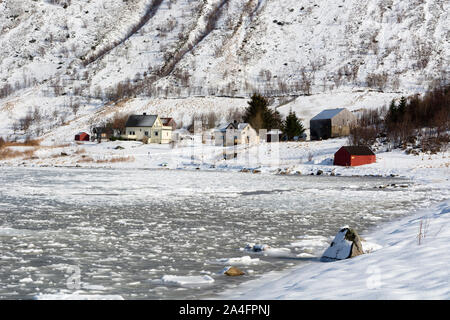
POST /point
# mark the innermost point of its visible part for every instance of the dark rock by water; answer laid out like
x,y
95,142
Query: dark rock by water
x,y
346,244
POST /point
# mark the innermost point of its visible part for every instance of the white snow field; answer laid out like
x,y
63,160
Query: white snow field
x,y
400,268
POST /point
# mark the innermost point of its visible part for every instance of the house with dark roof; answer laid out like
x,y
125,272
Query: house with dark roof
x,y
331,123
350,156
235,133
148,128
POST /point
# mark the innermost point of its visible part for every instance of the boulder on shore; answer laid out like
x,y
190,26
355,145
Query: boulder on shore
x,y
346,244
233,272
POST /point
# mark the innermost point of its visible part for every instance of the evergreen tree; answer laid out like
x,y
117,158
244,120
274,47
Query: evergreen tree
x,y
292,126
392,115
259,116
272,120
254,114
401,109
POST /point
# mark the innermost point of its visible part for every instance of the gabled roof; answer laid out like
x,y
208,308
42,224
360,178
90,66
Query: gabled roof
x,y
359,150
224,127
242,126
166,120
141,120
328,114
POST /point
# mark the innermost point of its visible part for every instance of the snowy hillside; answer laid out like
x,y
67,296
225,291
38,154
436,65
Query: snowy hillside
x,y
72,58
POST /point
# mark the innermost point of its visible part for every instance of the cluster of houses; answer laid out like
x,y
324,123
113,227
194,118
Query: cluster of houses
x,y
330,123
149,128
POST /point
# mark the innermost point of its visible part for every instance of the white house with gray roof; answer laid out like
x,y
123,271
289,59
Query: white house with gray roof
x,y
147,127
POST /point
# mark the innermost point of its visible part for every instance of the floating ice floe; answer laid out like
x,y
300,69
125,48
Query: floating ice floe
x,y
186,281
26,280
267,251
10,232
311,244
245,260
77,296
93,287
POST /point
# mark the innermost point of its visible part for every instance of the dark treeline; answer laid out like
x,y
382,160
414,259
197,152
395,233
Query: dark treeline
x,y
418,121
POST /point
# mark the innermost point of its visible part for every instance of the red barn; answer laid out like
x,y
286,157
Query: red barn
x,y
82,136
354,156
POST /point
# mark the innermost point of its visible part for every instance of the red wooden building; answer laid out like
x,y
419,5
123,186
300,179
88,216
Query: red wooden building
x,y
354,156
82,136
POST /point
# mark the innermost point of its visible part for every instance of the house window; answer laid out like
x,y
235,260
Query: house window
x,y
156,133
146,133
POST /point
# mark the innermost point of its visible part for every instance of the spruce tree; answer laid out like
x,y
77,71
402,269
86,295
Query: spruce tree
x,y
254,114
259,116
272,120
401,109
393,112
292,126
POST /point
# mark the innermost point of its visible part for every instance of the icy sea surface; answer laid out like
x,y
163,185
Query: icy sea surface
x,y
142,234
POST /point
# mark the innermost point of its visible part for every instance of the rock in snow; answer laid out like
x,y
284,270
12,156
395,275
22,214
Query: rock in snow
x,y
346,244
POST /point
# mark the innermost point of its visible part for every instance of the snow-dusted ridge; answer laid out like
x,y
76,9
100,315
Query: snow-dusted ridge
x,y
211,48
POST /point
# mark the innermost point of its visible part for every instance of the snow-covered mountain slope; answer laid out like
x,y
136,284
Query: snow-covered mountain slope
x,y
59,53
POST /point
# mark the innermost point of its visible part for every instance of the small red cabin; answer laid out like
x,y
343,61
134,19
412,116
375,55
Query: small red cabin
x,y
82,136
354,156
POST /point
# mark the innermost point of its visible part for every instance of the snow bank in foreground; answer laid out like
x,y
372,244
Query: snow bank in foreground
x,y
400,269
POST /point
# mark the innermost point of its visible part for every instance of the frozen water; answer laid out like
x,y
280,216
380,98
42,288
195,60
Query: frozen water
x,y
122,231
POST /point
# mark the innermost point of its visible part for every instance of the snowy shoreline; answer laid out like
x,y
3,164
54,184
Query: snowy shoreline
x,y
400,269
287,158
